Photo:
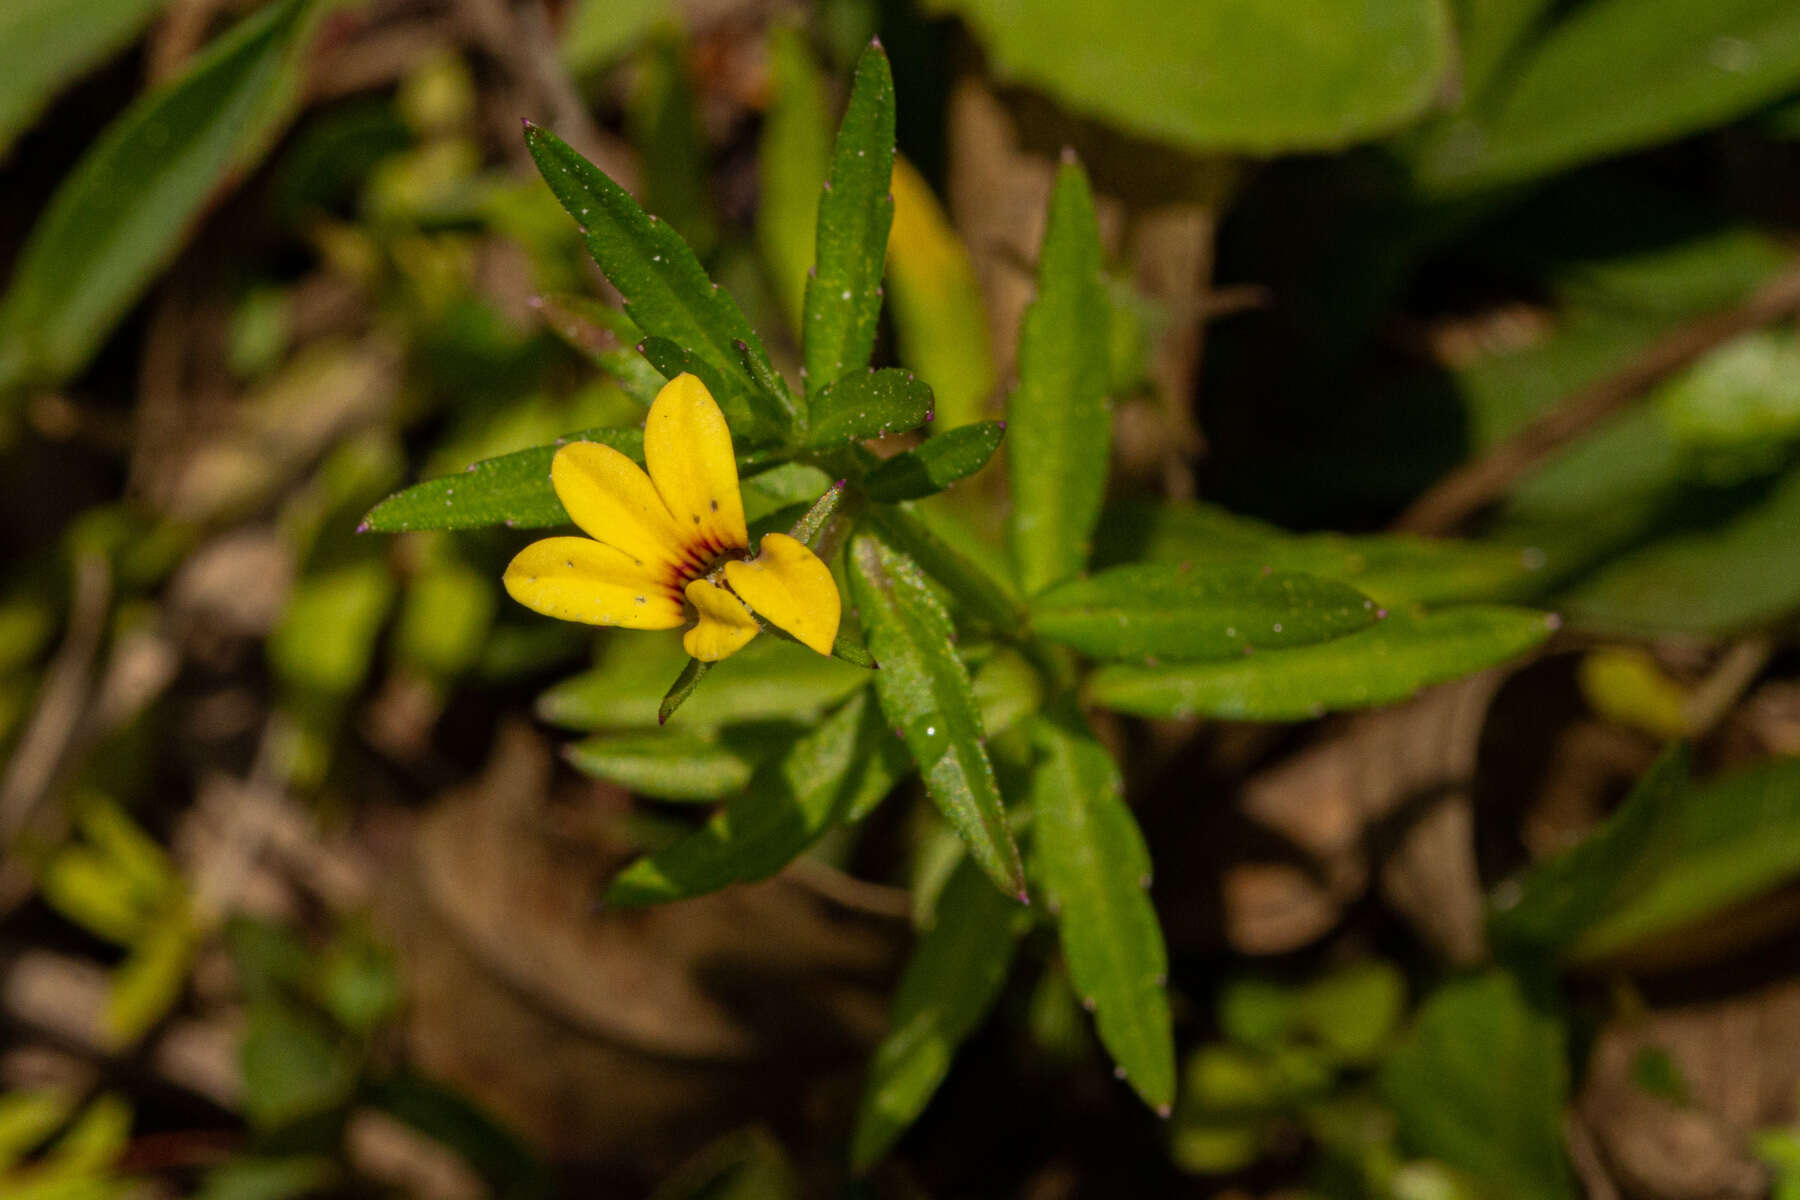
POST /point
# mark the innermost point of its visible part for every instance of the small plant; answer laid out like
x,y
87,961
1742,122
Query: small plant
x,y
957,655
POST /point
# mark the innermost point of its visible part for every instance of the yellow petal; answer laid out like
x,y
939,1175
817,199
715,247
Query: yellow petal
x,y
725,626
791,588
687,447
574,579
613,501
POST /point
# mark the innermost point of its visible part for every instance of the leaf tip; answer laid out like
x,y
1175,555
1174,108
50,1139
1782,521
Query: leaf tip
x,y
364,526
1165,1111
1070,157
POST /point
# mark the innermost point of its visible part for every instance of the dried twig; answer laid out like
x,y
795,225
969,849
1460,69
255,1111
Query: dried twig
x,y
1470,488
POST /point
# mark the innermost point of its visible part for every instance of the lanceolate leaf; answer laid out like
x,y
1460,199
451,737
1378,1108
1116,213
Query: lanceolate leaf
x,y
931,467
1096,870
925,694
951,981
1180,612
1718,843
124,210
794,157
868,404
668,766
740,401
666,291
1393,569
843,296
45,44
766,681
606,336
849,762
1061,431
512,490
978,592
1561,898
1385,663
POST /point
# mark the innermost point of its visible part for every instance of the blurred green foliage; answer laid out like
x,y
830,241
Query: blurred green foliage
x,y
1463,214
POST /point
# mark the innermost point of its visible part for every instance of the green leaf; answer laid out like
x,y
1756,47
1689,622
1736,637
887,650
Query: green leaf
x,y
1488,32
1714,577
1393,569
766,681
925,694
666,766
1096,870
661,123
1561,898
737,400
682,688
868,404
1386,663
1480,1082
28,1118
512,490
935,464
1713,845
1294,75
1165,611
843,295
976,591
951,981
294,1066
1350,1012
665,289
1615,75
935,302
46,44
606,336
794,156
126,208
146,986
256,1178
848,763
1061,429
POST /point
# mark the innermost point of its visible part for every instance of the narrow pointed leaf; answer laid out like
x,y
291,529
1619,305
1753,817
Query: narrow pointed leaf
x,y
46,44
856,208
850,761
682,688
951,981
1181,613
666,766
1562,897
934,465
125,209
766,681
795,154
976,591
666,291
1393,569
737,395
1061,429
1383,664
868,404
606,336
512,490
925,693
1716,844
1096,870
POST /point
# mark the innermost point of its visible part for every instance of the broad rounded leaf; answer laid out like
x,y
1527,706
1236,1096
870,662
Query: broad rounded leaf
x,y
1226,74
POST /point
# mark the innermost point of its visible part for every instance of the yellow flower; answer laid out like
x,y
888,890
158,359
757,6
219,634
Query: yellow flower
x,y
671,546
